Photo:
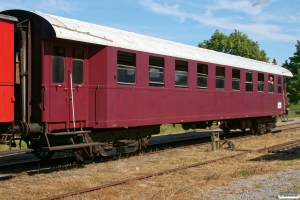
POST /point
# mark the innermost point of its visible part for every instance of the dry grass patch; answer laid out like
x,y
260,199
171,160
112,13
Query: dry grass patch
x,y
185,184
266,140
190,183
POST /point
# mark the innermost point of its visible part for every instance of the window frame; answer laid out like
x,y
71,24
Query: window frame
x,y
64,64
259,81
158,84
248,82
181,73
123,64
128,68
220,77
156,62
236,79
202,75
270,84
279,84
75,58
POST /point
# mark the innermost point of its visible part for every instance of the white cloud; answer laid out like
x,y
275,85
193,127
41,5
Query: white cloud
x,y
244,6
260,29
164,9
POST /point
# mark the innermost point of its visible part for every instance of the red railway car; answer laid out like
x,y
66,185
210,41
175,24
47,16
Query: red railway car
x,y
7,68
102,91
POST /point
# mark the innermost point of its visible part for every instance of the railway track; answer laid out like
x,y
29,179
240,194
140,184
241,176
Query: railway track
x,y
269,149
20,168
31,167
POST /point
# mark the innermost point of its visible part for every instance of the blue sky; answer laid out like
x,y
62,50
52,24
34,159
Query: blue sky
x,y
274,24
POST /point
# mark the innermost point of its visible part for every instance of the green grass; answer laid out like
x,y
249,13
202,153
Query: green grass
x,y
170,129
4,147
292,110
244,173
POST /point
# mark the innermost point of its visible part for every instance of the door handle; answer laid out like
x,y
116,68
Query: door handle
x,y
44,97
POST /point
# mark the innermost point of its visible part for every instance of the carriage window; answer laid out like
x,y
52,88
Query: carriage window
x,y
236,79
202,72
271,83
260,84
156,71
77,66
249,83
58,64
126,68
181,73
220,77
279,84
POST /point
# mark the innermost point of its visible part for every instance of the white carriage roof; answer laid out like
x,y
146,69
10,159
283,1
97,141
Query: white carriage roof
x,y
72,29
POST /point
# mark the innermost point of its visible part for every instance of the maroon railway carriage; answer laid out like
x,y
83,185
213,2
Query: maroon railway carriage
x,y
101,91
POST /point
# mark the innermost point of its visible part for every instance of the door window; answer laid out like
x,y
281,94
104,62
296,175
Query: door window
x,y
58,64
77,66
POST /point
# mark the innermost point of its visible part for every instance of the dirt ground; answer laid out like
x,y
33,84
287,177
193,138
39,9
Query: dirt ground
x,y
186,184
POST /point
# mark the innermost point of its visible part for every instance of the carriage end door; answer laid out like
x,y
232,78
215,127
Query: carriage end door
x,y
67,89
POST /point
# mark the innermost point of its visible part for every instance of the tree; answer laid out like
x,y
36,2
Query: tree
x,y
293,83
274,61
236,44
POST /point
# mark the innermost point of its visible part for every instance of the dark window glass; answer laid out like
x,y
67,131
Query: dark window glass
x,y
181,73
249,83
279,84
235,79
156,76
58,64
156,71
126,68
260,83
271,83
202,73
284,80
220,77
126,74
77,66
77,71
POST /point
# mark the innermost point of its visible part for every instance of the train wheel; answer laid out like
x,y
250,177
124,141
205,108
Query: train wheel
x,y
82,155
243,130
226,130
253,130
43,155
38,152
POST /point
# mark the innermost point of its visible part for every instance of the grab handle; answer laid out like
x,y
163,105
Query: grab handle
x,y
44,97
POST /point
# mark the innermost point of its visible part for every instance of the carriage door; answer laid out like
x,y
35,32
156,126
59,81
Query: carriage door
x,y
58,90
78,94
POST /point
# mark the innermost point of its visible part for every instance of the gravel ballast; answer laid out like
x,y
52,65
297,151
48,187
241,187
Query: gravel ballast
x,y
266,186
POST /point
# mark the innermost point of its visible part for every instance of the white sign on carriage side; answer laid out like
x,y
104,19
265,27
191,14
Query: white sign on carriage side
x,y
279,105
